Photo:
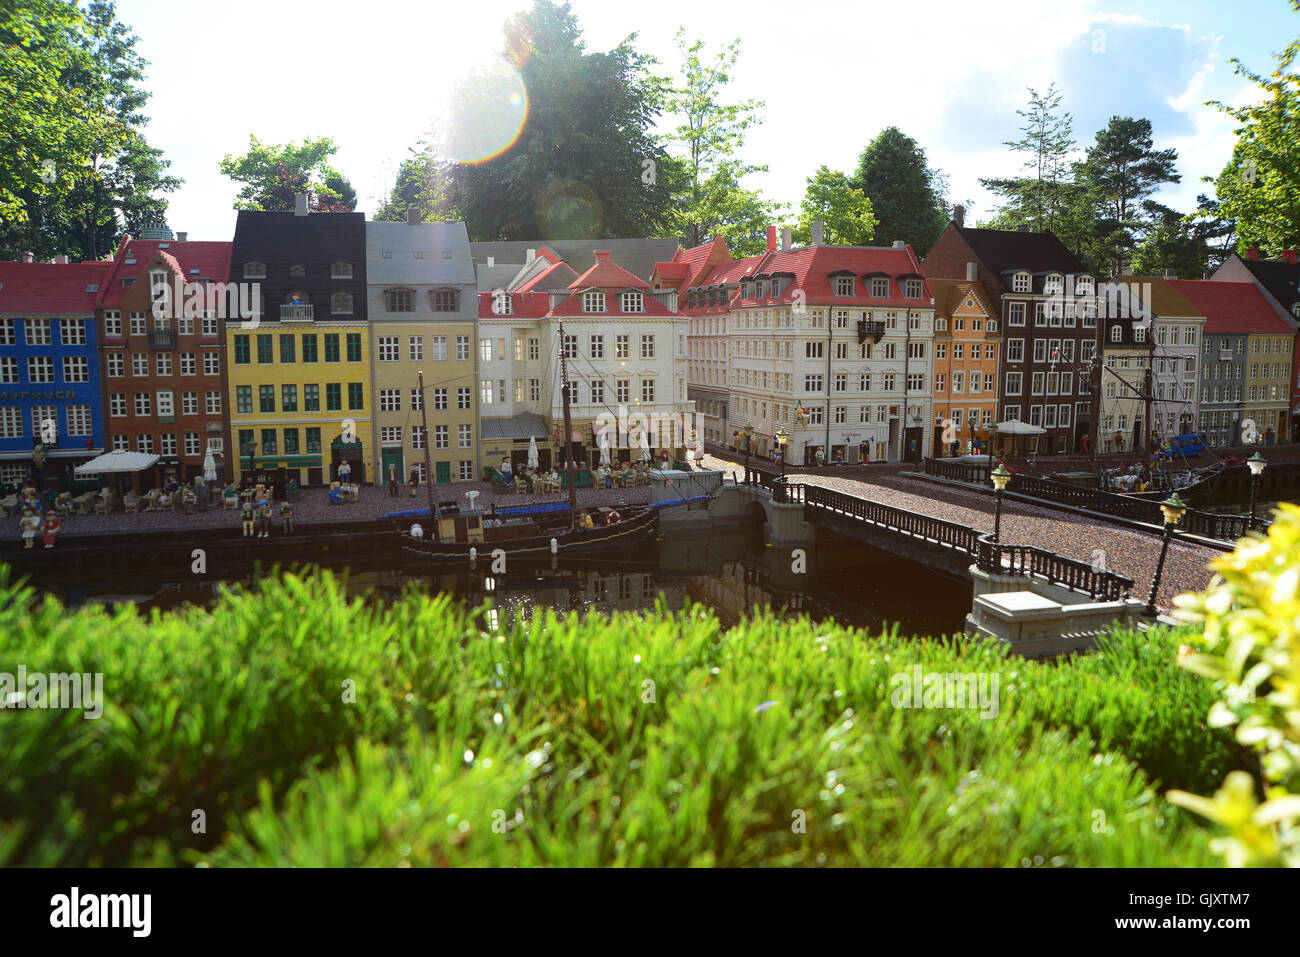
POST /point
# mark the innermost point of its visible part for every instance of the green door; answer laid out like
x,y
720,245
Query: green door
x,y
443,470
391,457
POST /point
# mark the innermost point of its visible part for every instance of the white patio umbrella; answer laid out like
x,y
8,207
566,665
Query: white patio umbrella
x,y
209,467
118,460
532,452
604,448
645,446
471,496
1015,427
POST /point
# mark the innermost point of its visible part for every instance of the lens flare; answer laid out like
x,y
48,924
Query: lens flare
x,y
492,112
568,209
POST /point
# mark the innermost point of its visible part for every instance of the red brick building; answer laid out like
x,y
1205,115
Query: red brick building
x,y
164,376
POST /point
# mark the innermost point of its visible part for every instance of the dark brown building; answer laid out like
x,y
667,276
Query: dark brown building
x,y
1047,303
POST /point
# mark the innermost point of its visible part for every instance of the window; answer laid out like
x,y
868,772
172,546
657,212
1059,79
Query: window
x,y
596,346
112,327
354,347
593,302
189,403
958,350
444,300
399,300
841,383
286,348
420,437
647,347
843,285
340,303
416,348
38,332
622,347
632,302
390,435
77,368
1014,381
916,381
462,348
268,442
354,397
40,369
313,440
311,397
812,383
485,391
266,398
647,390
212,403
597,391
941,350
912,289
1020,282
191,443
137,324
208,327
9,368
621,390
241,351
289,398
534,350
464,436
812,350
143,403
958,382
880,288
463,397
535,390
333,397
1016,314
940,382
254,270
390,349
467,471
144,443
331,347
188,366
390,400
244,399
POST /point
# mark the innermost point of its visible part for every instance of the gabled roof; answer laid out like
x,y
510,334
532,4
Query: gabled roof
x,y
1232,307
637,256
608,275
1006,250
555,276
211,259
51,288
949,294
1279,277
812,267
688,265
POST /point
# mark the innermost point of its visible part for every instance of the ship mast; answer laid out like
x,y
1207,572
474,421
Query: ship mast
x,y
567,445
428,463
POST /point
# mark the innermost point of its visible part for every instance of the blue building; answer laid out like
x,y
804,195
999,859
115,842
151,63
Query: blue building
x,y
51,407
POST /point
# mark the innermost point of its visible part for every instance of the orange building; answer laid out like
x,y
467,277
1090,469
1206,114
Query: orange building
x,y
966,344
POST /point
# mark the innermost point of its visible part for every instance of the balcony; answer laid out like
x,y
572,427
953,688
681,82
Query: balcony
x,y
1225,355
873,330
162,338
297,313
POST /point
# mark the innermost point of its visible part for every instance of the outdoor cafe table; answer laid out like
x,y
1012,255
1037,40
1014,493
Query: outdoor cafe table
x,y
86,502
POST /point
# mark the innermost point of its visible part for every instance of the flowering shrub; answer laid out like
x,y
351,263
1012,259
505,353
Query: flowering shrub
x,y
1251,650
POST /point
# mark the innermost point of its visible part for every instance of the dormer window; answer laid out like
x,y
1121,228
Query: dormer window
x,y
399,300
1020,282
444,300
593,302
501,303
843,285
158,279
632,302
777,285
1116,333
1083,286
1054,284
254,270
880,288
1295,310
912,289
297,272
1139,333
340,270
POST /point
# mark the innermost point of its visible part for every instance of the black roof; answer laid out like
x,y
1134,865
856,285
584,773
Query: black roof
x,y
1279,277
1003,250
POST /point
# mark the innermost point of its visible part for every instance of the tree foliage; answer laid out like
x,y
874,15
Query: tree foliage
x,y
272,173
906,194
843,209
1041,199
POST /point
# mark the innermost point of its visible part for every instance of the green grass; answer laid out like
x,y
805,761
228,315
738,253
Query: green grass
x,y
239,713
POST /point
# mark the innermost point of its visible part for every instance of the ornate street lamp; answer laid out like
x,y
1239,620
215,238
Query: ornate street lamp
x,y
1174,508
1000,477
782,437
748,433
1256,463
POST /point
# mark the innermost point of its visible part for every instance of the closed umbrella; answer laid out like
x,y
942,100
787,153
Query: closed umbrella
x,y
604,448
532,452
209,467
645,446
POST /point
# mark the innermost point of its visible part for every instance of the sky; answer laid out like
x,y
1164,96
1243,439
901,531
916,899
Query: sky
x,y
831,74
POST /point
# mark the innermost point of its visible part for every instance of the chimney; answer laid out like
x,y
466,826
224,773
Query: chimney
x,y
1126,269
182,237
816,233
1252,252
29,257
1289,255
412,216
532,254
492,261
602,255
1171,273
300,204
787,239
771,239
899,244
959,215
1023,228
972,269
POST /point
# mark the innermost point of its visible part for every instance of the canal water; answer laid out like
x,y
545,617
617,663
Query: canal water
x,y
731,572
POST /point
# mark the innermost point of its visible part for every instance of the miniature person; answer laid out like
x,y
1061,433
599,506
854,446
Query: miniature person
x,y
50,528
189,499
30,524
264,518
392,481
246,514
345,472
821,458
286,516
415,481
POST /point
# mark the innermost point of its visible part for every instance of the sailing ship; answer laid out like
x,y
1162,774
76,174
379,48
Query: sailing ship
x,y
542,528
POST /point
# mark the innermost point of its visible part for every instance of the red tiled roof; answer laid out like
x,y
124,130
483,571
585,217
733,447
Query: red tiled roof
x,y
650,306
608,275
525,305
211,259
812,267
553,275
50,287
1231,306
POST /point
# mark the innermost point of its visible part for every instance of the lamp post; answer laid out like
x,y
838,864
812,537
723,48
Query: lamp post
x,y
782,437
1174,508
1256,463
1000,477
748,433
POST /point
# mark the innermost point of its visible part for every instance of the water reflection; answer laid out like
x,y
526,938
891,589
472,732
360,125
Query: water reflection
x,y
731,572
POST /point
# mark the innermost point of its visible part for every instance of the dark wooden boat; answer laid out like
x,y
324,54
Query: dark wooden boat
x,y
536,531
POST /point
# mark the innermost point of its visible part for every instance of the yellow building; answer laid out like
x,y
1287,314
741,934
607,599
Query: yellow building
x,y
297,389
423,307
1267,393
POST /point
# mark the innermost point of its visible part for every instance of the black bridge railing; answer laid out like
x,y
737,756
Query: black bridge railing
x,y
994,557
1208,524
1002,558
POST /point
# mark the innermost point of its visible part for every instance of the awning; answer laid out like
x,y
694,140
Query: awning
x,y
117,461
524,426
1018,428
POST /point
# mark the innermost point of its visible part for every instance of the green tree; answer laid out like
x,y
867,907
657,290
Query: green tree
x,y
1039,200
906,193
421,185
843,209
1260,187
1120,172
1174,243
584,163
707,172
271,173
